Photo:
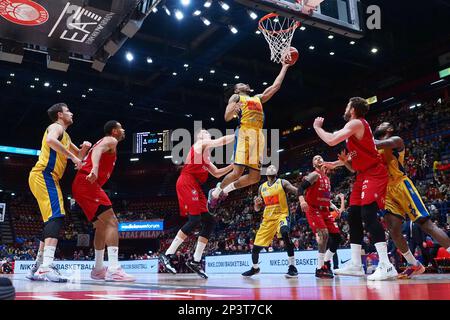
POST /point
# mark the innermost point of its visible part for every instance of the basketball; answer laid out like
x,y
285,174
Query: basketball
x,y
22,11
294,56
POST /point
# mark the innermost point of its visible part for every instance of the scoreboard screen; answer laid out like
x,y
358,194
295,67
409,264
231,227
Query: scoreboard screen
x,y
144,142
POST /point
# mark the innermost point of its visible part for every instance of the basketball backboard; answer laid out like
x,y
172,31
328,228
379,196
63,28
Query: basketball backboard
x,y
338,16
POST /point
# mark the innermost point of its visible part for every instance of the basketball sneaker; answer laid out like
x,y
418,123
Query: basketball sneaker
x,y
118,275
324,273
30,275
384,271
350,269
292,272
98,274
213,203
49,273
165,261
251,272
197,268
412,270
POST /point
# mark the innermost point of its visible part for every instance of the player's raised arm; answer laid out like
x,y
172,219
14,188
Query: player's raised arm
x,y
332,139
271,90
55,131
216,172
213,143
107,144
232,107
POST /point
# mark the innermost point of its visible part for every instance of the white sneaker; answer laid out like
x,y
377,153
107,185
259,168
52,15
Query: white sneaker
x,y
31,276
49,273
350,269
384,271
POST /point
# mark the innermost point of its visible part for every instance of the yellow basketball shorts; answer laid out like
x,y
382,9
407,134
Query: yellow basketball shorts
x,y
269,228
402,198
249,147
48,194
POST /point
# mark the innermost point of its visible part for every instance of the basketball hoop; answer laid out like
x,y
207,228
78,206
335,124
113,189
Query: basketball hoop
x,y
278,32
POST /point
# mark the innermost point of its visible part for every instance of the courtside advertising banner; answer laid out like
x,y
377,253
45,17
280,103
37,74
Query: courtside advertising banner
x,y
272,262
68,268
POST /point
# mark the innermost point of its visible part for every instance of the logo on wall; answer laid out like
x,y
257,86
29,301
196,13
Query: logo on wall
x,y
23,12
78,24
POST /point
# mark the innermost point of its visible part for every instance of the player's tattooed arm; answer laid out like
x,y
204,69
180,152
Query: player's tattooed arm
x,y
391,143
270,91
287,186
309,180
233,107
258,201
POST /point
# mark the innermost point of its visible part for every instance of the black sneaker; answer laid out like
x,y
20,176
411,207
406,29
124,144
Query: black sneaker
x,y
324,273
251,272
292,272
197,268
328,264
165,261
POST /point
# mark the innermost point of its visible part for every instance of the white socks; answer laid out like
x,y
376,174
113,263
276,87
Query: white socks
x,y
320,260
99,257
382,252
174,245
410,257
291,261
356,254
113,258
229,188
39,258
199,251
255,266
328,255
49,256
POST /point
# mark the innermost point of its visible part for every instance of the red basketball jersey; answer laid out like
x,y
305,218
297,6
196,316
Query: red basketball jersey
x,y
197,165
105,166
363,152
319,193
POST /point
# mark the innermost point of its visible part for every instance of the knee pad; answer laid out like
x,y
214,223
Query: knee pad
x,y
208,224
190,225
52,228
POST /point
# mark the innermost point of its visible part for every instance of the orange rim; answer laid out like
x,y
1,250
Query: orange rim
x,y
273,15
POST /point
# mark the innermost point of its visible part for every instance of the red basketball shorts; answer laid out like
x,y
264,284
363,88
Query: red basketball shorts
x,y
321,219
370,186
89,196
191,198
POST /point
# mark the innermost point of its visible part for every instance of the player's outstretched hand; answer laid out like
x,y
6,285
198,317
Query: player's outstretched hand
x,y
258,200
304,206
318,122
78,163
92,176
86,145
328,165
343,156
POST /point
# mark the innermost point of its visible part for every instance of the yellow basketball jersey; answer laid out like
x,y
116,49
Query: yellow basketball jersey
x,y
251,114
395,162
275,199
51,161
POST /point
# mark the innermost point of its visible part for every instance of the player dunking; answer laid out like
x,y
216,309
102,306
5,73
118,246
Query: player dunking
x,y
403,199
192,201
43,180
369,190
88,193
276,220
249,143
316,205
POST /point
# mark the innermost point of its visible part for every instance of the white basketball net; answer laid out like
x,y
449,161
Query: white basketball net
x,y
278,31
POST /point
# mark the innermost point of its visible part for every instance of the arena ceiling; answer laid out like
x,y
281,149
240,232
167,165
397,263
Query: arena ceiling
x,y
161,87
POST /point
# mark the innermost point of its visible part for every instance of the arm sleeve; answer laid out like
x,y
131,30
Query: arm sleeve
x,y
302,188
